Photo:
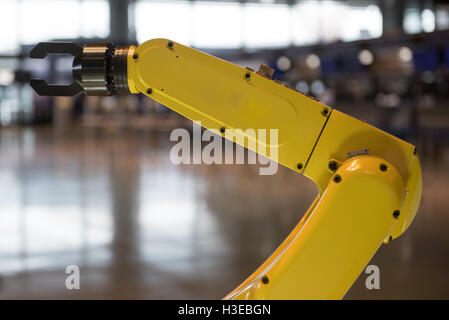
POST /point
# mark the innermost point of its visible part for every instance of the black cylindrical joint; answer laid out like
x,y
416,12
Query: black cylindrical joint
x,y
90,70
101,69
119,70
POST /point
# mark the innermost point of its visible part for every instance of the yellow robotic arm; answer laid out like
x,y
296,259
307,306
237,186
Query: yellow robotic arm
x,y
369,182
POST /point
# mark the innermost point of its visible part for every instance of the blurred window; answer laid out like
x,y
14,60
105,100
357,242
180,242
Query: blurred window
x,y
416,21
442,17
94,18
31,21
267,25
328,21
217,25
428,20
8,24
164,19
231,24
412,20
306,24
362,23
334,17
42,20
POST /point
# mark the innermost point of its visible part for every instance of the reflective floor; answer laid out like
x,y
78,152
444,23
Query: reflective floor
x,y
111,202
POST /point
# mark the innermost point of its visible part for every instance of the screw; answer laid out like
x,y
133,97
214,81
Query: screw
x,y
265,280
222,129
299,166
135,56
149,91
337,178
383,167
247,76
391,238
415,151
333,165
325,112
170,44
396,214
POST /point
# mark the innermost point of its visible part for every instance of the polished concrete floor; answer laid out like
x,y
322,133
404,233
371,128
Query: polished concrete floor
x,y
139,227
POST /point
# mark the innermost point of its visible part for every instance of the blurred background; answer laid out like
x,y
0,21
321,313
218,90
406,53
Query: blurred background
x,y
88,180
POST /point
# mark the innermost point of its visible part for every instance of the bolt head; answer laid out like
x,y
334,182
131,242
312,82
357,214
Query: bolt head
x,y
337,178
396,214
333,165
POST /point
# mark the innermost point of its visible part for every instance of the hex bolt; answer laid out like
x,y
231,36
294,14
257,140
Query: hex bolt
x,y
299,166
150,91
332,165
337,178
265,280
396,214
383,167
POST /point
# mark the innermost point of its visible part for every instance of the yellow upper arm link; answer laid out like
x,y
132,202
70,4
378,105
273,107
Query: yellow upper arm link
x,y
217,93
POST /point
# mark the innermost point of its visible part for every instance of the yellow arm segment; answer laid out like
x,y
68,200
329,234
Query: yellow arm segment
x,y
369,182
219,94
